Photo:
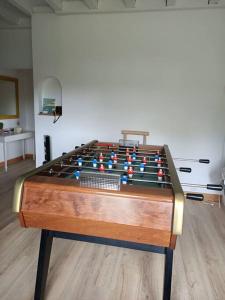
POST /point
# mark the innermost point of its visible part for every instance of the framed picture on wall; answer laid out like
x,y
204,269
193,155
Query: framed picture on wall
x,y
49,105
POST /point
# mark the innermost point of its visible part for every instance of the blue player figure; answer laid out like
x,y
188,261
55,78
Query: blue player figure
x,y
80,162
157,156
142,167
77,174
110,163
112,154
94,163
125,166
124,179
134,156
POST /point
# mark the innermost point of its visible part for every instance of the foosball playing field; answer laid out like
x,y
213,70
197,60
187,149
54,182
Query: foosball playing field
x,y
134,165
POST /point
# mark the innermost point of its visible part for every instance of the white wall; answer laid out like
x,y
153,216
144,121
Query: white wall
x,y
15,49
26,106
157,71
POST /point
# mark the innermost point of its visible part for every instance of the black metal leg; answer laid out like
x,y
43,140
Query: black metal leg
x,y
168,274
43,263
46,246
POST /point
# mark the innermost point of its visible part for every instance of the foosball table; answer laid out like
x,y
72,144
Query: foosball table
x,y
120,194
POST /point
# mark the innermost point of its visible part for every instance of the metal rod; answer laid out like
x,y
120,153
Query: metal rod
x,y
142,151
194,185
147,152
120,164
133,165
125,147
124,154
200,160
209,186
133,179
123,159
111,170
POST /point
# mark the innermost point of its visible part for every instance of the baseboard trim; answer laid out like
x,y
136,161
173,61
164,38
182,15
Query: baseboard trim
x,y
212,197
16,159
29,156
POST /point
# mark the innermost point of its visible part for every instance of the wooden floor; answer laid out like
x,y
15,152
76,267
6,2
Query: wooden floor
x,y
81,271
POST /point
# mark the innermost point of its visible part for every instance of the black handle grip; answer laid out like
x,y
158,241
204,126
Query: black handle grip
x,y
204,161
195,197
186,170
76,147
64,153
215,187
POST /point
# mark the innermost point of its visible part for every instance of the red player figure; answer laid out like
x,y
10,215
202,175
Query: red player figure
x,y
115,159
101,158
160,175
144,160
101,168
127,152
129,160
130,172
159,163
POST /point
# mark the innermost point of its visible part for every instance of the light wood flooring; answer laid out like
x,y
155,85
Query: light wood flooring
x,y
81,271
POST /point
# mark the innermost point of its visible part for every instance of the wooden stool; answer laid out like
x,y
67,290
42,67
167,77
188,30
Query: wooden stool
x,y
135,132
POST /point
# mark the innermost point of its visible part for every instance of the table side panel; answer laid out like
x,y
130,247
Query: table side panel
x,y
97,207
96,228
71,184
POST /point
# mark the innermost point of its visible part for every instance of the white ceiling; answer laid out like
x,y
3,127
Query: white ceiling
x,y
17,13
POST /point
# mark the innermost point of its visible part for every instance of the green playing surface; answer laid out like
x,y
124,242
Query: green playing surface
x,y
148,178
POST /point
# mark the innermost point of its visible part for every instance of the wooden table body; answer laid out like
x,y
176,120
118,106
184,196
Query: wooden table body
x,y
135,214
13,137
130,218
135,217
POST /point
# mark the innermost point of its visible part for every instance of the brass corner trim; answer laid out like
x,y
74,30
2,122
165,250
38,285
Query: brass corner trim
x,y
178,195
178,214
18,188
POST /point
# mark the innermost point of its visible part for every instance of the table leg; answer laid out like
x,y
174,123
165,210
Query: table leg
x,y
5,156
43,264
168,274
